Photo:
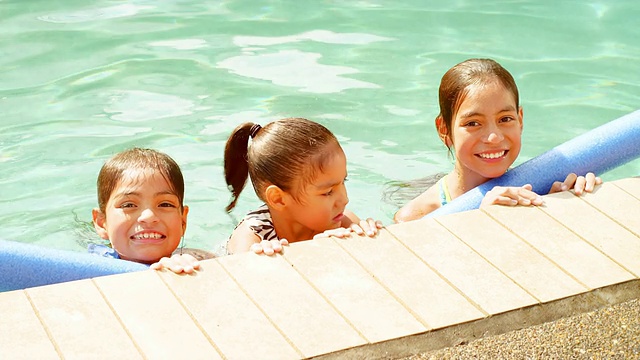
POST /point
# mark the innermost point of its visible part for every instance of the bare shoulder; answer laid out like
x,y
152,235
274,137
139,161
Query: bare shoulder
x,y
241,239
415,209
398,193
349,218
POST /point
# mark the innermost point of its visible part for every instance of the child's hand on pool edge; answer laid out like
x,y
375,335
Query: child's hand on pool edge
x,y
512,196
579,184
367,227
177,263
269,247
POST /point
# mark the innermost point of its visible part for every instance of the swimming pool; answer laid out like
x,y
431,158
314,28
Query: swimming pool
x,y
80,82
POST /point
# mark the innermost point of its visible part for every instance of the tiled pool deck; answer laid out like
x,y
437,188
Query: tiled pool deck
x,y
418,286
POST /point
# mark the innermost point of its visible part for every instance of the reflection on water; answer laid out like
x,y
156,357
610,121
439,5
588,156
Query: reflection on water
x,y
181,44
297,69
95,14
135,106
81,82
322,36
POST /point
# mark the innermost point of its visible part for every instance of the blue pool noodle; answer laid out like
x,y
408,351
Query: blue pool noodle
x,y
25,265
599,150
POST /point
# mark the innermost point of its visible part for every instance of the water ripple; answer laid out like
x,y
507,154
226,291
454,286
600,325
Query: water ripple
x,y
322,36
136,105
297,69
90,15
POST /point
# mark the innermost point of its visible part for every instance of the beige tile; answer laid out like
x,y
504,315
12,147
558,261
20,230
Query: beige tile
x,y
236,325
630,185
461,266
22,336
515,258
353,291
414,283
309,321
617,204
76,310
597,229
154,317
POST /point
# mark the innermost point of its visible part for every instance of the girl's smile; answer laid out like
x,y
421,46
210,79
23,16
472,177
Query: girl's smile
x,y
146,236
486,133
143,218
493,155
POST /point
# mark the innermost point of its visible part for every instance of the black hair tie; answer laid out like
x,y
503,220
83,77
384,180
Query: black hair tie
x,y
254,130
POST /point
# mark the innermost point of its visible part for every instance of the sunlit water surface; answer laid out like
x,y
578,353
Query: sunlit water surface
x,y
81,81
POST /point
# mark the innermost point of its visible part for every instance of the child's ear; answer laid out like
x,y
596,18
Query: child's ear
x,y
442,131
521,117
275,197
185,212
100,223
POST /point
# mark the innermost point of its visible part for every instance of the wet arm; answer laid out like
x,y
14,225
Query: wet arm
x,y
422,205
241,239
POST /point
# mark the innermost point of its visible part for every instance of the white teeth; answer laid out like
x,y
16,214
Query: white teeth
x,y
493,155
147,236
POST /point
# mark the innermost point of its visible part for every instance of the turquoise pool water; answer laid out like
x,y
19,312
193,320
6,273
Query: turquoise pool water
x,y
80,82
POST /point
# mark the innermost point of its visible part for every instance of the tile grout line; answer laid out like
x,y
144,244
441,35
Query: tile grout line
x,y
332,305
625,190
44,326
610,217
257,305
113,311
589,242
466,332
193,318
447,281
376,279
588,288
490,263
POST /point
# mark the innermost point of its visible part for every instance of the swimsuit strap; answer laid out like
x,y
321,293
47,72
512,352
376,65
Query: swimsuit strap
x,y
261,224
445,197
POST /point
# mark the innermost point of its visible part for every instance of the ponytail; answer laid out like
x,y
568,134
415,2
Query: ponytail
x,y
285,153
236,166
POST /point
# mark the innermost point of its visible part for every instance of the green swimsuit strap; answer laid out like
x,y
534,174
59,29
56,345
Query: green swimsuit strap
x,y
445,197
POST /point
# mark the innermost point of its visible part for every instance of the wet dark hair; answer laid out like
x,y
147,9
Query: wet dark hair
x,y
455,83
136,158
286,153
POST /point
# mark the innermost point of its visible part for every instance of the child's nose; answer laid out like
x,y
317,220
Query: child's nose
x,y
494,135
147,215
343,200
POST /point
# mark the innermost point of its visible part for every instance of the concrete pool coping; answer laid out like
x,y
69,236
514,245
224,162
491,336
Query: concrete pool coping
x,y
418,286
